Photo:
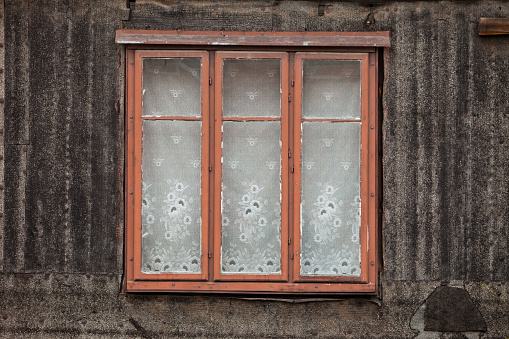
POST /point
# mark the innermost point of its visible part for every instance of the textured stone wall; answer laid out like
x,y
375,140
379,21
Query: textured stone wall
x,y
445,172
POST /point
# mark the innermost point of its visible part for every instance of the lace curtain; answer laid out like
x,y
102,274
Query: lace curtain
x,y
331,89
171,167
251,198
330,218
251,88
251,182
171,197
171,87
251,173
330,211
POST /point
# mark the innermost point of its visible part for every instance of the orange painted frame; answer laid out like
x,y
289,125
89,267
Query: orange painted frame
x,y
129,169
135,161
283,57
257,40
368,141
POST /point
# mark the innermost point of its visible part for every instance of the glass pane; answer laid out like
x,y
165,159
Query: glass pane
x,y
330,210
251,88
251,198
331,89
171,190
171,87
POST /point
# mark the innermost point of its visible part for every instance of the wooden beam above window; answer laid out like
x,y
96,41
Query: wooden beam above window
x,y
216,38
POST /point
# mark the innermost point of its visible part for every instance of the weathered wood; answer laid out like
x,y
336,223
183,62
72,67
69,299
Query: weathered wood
x,y
340,39
493,26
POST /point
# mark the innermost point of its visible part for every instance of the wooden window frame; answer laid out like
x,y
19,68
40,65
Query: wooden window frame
x,y
136,151
366,140
219,118
292,48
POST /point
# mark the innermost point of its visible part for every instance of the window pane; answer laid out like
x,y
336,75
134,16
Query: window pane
x,y
171,87
251,88
251,198
330,211
171,190
331,89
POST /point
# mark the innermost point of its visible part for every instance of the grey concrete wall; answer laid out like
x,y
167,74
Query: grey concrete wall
x,y
445,171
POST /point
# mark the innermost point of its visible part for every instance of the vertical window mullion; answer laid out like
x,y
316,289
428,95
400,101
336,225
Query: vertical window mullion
x,y
292,166
367,166
297,163
205,164
213,167
136,190
218,160
129,168
285,166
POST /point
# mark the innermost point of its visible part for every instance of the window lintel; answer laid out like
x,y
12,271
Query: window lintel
x,y
221,38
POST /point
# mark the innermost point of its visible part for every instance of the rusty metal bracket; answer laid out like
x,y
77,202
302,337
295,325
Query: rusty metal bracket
x,y
370,19
321,8
126,12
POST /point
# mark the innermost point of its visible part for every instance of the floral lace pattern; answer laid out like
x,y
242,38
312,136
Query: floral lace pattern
x,y
331,89
251,87
328,227
171,252
253,216
171,207
251,209
326,213
171,86
330,210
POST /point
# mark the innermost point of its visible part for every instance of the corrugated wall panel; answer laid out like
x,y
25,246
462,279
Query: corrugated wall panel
x,y
73,171
16,89
106,143
489,160
445,174
47,206
14,231
445,188
15,135
445,124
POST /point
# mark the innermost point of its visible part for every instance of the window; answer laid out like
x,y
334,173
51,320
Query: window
x,y
251,162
